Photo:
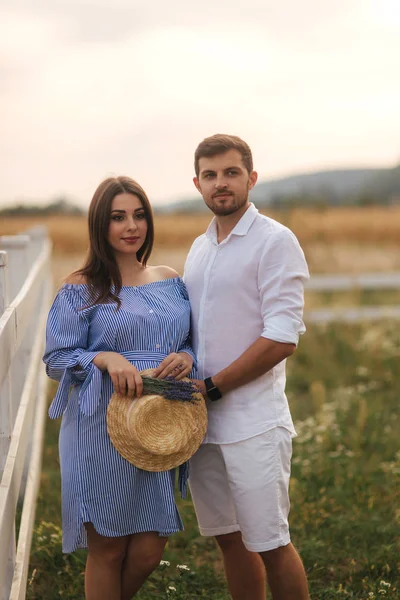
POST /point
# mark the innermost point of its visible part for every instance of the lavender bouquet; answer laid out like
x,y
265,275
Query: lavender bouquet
x,y
171,389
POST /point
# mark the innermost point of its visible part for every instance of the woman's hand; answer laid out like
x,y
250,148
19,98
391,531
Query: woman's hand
x,y
176,364
125,377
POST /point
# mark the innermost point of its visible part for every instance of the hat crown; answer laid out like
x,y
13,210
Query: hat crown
x,y
167,435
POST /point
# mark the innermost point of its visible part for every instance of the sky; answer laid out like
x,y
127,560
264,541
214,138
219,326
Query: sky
x,y
90,89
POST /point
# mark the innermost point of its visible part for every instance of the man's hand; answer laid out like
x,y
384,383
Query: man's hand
x,y
201,386
176,364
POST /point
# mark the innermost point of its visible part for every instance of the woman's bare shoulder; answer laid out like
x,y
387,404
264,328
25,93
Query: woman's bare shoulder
x,y
75,279
165,272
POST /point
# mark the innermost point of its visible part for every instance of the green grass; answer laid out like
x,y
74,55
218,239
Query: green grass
x,y
344,389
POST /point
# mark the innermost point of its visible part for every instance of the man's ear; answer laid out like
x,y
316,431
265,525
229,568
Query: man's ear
x,y
253,179
196,183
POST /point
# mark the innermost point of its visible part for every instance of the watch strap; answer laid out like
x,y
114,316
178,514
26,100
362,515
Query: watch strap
x,y
213,393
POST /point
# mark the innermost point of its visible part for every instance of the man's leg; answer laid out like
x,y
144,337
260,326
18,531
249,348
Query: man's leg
x,y
216,516
244,570
258,473
286,576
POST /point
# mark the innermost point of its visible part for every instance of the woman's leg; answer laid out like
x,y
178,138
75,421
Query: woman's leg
x,y
143,555
104,565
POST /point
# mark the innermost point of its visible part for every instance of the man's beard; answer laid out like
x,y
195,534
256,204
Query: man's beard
x,y
223,210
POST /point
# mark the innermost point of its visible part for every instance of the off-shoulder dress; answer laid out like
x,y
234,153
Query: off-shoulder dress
x,y
98,485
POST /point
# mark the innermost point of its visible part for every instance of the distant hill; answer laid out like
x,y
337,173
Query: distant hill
x,y
60,206
320,188
385,186
336,187
333,187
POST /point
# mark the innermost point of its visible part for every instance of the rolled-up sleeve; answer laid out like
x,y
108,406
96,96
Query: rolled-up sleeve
x,y
282,273
67,356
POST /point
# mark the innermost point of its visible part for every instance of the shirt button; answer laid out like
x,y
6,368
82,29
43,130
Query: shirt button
x,y
158,346
151,311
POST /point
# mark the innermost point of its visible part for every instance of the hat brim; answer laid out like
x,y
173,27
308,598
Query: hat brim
x,y
165,422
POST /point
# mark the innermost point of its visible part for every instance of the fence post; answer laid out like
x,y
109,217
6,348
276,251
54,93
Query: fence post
x,y
3,281
18,261
18,247
6,416
5,390
37,235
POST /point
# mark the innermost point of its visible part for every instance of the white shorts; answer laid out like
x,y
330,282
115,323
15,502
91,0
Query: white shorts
x,y
244,487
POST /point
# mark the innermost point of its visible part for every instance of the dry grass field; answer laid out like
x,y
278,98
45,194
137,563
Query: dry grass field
x,y
335,240
343,388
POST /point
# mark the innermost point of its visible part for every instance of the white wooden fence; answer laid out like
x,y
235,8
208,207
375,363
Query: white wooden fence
x,y
356,314
25,291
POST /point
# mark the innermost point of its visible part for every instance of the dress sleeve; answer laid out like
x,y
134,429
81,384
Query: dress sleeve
x,y
281,276
67,357
186,346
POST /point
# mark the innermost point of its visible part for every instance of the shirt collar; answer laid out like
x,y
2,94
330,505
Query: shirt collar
x,y
241,227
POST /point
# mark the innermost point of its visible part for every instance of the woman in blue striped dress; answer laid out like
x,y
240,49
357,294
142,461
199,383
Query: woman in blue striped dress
x,y
111,319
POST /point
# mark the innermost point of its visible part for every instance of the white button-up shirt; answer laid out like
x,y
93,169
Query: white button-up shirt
x,y
249,285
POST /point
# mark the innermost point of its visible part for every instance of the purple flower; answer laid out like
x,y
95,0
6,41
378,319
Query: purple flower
x,y
171,389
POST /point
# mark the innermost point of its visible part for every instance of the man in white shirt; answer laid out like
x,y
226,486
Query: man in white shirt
x,y
245,279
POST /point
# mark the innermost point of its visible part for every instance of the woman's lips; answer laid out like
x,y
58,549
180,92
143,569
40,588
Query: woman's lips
x,y
130,240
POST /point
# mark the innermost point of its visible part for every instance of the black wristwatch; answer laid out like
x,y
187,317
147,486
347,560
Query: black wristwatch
x,y
213,393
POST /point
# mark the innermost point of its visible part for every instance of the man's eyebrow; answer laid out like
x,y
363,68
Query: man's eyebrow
x,y
235,168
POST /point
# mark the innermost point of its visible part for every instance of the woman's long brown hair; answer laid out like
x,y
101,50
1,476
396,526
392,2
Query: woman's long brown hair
x,y
100,269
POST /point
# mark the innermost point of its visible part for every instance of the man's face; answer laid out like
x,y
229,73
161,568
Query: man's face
x,y
224,182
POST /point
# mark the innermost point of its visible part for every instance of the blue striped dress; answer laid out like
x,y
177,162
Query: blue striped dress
x,y
98,485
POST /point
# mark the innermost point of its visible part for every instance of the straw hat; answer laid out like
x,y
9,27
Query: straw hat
x,y
153,433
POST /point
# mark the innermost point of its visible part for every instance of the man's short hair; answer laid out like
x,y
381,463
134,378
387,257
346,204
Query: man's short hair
x,y
219,144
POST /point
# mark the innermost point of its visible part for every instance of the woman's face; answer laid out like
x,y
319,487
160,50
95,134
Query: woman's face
x,y
128,225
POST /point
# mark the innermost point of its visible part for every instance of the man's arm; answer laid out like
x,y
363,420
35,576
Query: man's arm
x,y
258,359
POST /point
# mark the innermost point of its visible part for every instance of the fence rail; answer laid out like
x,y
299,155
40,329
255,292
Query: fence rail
x,y
366,281
25,288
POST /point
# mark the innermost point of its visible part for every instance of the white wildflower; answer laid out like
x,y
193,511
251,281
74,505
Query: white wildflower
x,y
182,567
362,371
